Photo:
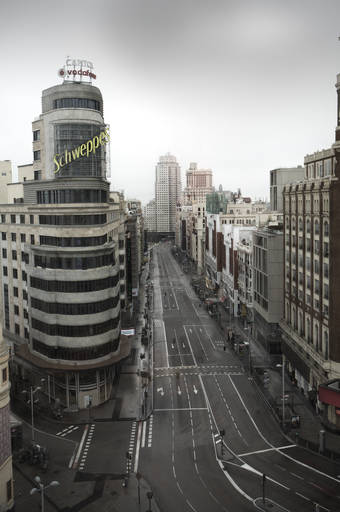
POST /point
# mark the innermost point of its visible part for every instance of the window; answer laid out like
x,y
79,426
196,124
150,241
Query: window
x,y
316,246
13,219
31,219
325,291
316,227
36,135
26,314
36,155
22,219
326,229
74,220
4,375
15,273
3,218
32,240
74,286
22,237
325,249
17,329
71,196
24,275
16,309
4,253
325,269
24,294
76,103
5,271
14,255
13,237
4,236
308,225
37,175
15,291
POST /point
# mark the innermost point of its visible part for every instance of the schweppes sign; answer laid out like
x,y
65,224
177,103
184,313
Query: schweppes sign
x,y
84,150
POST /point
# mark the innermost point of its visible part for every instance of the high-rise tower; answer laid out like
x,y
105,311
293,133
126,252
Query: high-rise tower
x,y
168,193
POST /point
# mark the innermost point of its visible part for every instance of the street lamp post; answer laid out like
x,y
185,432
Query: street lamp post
x,y
283,390
31,401
40,487
222,434
149,495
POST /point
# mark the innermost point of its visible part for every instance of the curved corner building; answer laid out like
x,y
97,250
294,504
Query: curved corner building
x,y
61,288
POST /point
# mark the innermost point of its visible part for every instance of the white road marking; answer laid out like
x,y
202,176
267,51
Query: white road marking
x,y
267,450
183,409
193,355
138,447
297,476
269,444
302,496
161,391
195,390
179,390
143,434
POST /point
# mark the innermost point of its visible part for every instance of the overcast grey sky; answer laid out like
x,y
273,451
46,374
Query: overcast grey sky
x,y
239,86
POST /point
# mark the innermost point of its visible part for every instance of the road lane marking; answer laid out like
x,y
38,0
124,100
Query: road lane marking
x,y
302,496
143,434
150,431
266,450
183,409
193,355
296,461
138,447
296,476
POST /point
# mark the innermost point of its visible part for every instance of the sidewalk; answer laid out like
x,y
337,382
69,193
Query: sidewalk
x,y
93,492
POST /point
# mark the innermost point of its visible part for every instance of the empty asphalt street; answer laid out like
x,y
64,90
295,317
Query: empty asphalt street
x,y
202,391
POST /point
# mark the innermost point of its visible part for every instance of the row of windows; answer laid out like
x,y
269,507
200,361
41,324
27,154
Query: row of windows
x,y
73,220
24,256
71,196
88,241
308,226
14,237
13,218
58,308
75,354
78,331
74,263
76,103
74,286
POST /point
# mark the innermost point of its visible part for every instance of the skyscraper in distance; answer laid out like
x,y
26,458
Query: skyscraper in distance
x,y
167,193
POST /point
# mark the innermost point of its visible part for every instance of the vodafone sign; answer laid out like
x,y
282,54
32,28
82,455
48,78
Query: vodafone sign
x,y
77,70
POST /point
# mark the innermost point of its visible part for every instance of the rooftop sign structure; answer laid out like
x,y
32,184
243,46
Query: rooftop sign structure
x,y
77,70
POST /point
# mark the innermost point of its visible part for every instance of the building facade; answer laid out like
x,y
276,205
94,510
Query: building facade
x,y
5,178
268,287
167,193
278,179
59,255
6,471
311,340
198,184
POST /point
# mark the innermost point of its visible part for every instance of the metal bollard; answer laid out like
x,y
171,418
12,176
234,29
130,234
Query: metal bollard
x,y
322,441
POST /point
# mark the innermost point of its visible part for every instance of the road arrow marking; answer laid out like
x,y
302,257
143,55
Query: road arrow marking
x,y
161,391
172,346
179,390
195,390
